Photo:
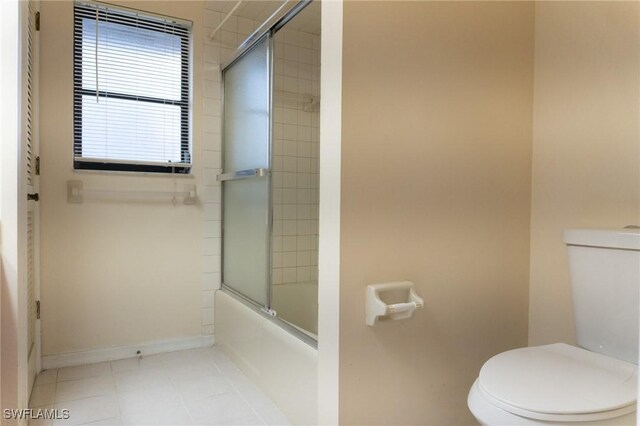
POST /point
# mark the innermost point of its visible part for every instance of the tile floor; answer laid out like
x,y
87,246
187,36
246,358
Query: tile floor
x,y
191,387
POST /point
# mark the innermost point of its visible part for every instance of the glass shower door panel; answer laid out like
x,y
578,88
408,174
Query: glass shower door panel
x,y
246,197
245,237
246,110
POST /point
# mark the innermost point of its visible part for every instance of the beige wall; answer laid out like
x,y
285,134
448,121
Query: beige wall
x,y
114,273
436,178
586,142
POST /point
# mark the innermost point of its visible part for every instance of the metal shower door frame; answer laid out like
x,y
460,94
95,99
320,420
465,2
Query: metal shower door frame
x,y
267,30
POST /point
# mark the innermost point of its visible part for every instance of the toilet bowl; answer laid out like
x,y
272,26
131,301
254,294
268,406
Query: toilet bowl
x,y
554,384
595,383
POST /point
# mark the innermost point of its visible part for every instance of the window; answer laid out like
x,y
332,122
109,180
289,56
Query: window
x,y
131,90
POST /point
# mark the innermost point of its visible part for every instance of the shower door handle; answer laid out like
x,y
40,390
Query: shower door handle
x,y
243,174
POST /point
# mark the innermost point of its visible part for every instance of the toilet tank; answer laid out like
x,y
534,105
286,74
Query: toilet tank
x,y
605,279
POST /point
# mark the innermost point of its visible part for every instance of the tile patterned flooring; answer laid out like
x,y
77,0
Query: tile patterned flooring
x,y
191,387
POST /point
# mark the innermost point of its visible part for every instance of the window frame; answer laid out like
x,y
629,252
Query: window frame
x,y
186,156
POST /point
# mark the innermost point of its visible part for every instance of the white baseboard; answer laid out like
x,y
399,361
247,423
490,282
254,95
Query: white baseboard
x,y
111,354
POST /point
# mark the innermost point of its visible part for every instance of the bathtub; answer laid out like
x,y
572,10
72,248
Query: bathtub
x,y
280,363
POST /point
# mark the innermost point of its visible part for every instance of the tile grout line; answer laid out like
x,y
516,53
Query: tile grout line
x,y
184,405
55,392
241,394
110,374
113,378
208,358
182,401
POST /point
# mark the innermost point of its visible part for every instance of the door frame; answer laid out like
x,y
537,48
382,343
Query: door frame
x,y
28,22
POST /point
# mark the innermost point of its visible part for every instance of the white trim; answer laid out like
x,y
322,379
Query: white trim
x,y
121,352
12,208
329,227
24,387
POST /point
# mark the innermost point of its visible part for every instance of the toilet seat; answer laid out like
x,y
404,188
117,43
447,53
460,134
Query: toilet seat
x,y
559,383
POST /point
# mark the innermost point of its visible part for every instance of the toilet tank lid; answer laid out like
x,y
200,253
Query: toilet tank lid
x,y
559,379
628,239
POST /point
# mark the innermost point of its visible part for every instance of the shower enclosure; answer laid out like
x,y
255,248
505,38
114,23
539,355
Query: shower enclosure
x,y
270,169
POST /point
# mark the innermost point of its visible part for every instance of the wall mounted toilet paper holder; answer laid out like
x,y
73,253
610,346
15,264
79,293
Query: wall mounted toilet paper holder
x,y
377,309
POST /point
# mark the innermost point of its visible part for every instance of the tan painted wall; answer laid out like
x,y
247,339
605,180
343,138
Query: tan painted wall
x,y
586,142
113,272
436,155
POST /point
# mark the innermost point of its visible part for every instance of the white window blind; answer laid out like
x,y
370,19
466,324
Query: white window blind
x,y
131,90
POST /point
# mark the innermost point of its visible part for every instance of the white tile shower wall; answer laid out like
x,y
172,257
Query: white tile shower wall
x,y
295,170
216,52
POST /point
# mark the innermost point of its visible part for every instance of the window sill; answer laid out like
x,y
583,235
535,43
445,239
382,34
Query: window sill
x,y
189,175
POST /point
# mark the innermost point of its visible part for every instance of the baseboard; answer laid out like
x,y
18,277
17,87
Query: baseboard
x,y
111,354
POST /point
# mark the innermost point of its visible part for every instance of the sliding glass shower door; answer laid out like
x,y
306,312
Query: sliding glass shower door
x,y
271,172
246,178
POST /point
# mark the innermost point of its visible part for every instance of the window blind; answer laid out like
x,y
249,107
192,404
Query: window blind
x,y
131,90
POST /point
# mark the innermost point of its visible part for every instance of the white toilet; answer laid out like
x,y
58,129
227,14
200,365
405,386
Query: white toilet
x,y
594,384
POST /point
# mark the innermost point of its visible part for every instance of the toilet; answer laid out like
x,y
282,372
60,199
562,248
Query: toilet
x,y
594,383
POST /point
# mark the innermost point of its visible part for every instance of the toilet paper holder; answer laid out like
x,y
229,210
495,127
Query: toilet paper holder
x,y
377,309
